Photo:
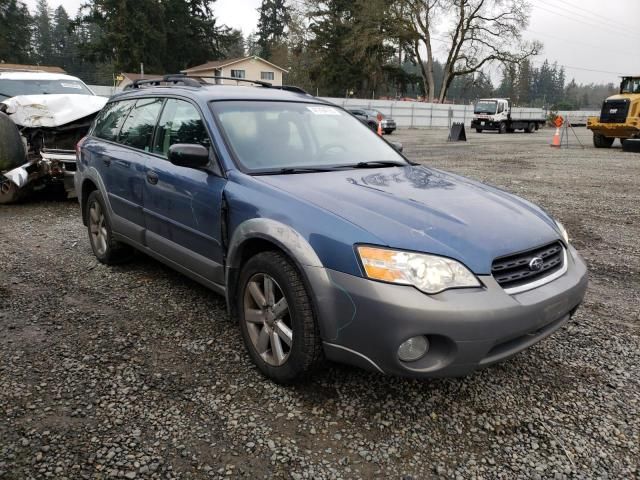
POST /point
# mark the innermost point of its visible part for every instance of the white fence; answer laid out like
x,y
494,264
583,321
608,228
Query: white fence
x,y
418,114
430,115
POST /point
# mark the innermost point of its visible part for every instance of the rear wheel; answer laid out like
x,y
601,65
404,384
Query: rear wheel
x,y
276,319
600,141
105,248
531,128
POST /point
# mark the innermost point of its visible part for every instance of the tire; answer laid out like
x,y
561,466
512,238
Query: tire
x,y
478,130
531,128
503,128
388,132
105,248
284,345
600,141
9,192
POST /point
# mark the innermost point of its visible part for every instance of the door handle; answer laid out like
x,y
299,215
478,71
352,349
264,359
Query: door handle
x,y
152,177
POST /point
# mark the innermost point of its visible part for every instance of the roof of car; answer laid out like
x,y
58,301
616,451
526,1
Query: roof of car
x,y
35,76
221,92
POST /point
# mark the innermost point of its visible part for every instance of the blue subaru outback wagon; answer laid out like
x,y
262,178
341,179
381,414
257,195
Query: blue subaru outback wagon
x,y
326,242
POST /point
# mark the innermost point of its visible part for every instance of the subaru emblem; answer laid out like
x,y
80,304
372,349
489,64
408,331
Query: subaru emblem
x,y
535,265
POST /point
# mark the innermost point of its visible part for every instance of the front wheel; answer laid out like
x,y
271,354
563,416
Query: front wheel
x,y
9,192
478,130
600,141
276,318
503,128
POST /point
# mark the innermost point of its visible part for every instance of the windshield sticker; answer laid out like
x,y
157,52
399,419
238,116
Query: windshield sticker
x,y
71,85
324,111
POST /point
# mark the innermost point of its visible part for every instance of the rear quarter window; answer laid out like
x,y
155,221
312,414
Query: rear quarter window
x,y
137,129
111,118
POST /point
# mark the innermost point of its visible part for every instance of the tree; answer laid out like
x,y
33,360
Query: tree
x,y
42,33
234,45
63,48
272,26
480,32
15,33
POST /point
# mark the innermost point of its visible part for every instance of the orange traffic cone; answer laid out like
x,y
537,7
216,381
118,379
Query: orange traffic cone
x,y
556,138
380,128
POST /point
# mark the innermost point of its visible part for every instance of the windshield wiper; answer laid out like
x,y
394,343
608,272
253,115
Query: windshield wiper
x,y
292,170
379,163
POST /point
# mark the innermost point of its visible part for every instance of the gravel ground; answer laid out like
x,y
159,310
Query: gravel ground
x,y
135,371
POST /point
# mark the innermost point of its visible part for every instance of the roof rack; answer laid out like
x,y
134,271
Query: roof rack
x,y
194,82
175,79
256,82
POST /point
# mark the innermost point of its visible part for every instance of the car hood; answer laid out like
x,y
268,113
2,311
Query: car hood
x,y
52,110
427,210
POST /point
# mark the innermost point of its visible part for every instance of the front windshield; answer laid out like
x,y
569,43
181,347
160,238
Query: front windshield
x,y
485,107
272,136
13,88
630,85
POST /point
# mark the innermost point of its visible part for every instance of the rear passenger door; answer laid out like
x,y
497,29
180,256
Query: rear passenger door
x,y
182,206
127,128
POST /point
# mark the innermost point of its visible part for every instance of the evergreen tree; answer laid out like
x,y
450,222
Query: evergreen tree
x,y
63,49
15,32
272,26
42,33
524,84
234,45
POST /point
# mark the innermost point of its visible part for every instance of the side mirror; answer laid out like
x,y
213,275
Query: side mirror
x,y
189,155
397,145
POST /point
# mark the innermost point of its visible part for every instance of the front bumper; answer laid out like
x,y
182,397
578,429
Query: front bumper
x,y
61,166
363,322
485,124
631,129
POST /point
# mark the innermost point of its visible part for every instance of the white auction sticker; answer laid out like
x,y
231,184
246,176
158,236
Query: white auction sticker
x,y
71,85
324,110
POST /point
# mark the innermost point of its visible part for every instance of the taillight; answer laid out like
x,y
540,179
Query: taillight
x,y
78,147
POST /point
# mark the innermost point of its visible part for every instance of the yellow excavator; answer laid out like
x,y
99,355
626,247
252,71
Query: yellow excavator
x,y
620,115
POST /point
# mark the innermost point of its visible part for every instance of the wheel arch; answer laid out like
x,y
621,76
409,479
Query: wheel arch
x,y
260,235
88,186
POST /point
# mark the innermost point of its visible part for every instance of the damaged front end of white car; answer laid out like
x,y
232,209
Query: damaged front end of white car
x,y
38,135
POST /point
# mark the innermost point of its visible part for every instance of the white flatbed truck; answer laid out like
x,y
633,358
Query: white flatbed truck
x,y
499,114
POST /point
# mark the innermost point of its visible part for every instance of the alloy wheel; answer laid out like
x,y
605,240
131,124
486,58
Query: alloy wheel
x,y
268,319
98,228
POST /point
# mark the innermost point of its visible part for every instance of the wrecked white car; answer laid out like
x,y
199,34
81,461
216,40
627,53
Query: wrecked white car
x,y
42,118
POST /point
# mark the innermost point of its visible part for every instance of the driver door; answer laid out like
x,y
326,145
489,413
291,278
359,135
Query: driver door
x,y
182,206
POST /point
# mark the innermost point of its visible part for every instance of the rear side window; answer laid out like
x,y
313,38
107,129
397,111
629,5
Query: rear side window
x,y
180,123
111,119
137,129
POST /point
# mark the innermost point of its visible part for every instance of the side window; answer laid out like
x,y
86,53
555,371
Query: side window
x,y
111,118
238,73
137,129
500,107
180,122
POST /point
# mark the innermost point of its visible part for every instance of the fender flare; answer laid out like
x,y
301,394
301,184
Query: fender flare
x,y
283,236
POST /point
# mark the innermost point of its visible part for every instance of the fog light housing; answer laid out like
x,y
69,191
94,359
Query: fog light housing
x,y
413,349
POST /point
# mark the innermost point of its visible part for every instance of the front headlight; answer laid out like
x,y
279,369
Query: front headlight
x,y
563,232
428,273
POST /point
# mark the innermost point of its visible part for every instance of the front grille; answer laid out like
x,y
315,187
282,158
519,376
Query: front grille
x,y
614,111
513,270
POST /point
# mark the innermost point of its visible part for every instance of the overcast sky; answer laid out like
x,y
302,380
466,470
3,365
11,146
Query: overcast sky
x,y
595,40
